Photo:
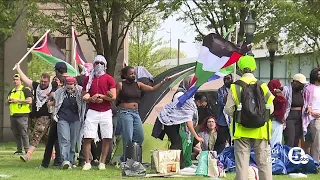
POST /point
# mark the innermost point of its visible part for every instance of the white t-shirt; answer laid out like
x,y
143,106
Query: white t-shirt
x,y
316,99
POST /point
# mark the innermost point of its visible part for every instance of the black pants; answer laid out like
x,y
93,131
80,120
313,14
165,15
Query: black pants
x,y
52,141
176,141
222,137
293,131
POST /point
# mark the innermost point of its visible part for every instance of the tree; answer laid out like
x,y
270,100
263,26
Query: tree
x,y
167,53
34,72
106,23
217,16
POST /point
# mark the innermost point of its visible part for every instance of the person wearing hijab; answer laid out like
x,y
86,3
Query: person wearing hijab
x,y
280,105
67,113
99,90
129,95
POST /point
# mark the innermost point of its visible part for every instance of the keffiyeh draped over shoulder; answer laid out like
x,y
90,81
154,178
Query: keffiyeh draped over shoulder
x,y
98,70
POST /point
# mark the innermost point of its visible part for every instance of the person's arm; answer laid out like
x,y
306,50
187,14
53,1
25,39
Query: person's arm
x,y
147,88
230,106
111,95
24,78
119,88
193,131
220,97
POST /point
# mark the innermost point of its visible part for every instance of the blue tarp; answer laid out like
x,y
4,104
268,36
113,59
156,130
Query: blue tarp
x,y
279,158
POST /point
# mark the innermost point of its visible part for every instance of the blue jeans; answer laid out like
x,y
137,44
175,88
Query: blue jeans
x,y
68,132
277,132
131,128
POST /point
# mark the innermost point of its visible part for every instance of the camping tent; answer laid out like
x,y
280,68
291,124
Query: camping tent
x,y
152,103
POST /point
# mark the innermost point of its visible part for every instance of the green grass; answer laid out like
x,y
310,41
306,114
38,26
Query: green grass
x,y
11,165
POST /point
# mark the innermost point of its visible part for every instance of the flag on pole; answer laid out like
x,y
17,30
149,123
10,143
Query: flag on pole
x,y
78,56
51,53
214,61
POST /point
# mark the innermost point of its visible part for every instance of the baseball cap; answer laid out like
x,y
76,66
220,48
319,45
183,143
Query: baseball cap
x,y
247,62
60,65
16,76
300,78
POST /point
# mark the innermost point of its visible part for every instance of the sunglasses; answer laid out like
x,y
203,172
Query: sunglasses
x,y
96,63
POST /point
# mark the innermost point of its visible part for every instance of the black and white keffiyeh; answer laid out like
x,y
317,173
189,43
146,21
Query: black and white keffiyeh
x,y
42,96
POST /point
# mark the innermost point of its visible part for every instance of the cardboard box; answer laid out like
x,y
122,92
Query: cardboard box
x,y
166,161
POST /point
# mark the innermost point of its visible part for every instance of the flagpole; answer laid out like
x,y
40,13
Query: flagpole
x,y
236,41
73,50
14,68
174,75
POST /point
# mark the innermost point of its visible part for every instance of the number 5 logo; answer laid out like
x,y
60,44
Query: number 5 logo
x,y
297,155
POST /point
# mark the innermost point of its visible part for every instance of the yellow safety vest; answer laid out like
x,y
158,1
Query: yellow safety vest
x,y
18,108
255,133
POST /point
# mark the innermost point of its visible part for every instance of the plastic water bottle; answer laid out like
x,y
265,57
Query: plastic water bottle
x,y
238,113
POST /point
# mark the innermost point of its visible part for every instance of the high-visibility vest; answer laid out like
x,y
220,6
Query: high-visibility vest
x,y
237,129
18,108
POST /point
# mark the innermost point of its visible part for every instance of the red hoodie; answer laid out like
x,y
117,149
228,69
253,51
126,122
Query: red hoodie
x,y
279,102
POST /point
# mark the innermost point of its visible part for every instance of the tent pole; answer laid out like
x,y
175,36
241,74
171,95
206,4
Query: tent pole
x,y
236,42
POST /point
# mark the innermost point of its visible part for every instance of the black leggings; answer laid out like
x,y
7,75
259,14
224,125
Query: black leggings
x,y
293,131
222,138
175,139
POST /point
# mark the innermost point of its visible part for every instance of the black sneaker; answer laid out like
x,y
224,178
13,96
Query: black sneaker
x,y
18,153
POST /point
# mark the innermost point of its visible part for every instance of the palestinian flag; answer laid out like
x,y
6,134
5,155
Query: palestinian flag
x,y
214,61
51,53
78,56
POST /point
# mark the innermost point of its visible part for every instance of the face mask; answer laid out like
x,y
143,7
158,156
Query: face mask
x,y
131,78
227,83
99,69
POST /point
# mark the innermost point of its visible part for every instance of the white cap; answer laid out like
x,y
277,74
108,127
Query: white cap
x,y
300,78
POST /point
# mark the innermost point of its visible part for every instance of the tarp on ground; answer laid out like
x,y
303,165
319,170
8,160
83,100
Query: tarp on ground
x,y
279,158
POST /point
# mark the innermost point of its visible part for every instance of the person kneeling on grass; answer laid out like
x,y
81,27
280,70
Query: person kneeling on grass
x,y
68,113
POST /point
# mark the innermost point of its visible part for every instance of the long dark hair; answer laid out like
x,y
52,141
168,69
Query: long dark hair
x,y
204,126
124,71
314,75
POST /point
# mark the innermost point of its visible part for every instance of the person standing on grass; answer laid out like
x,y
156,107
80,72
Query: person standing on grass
x,y
61,71
40,111
99,90
19,100
68,114
280,105
249,128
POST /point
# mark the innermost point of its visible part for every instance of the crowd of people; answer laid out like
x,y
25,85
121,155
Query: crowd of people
x,y
83,112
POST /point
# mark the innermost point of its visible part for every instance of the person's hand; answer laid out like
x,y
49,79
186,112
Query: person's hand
x,y
13,100
284,126
86,97
99,100
109,94
309,110
316,115
200,139
95,97
18,66
166,79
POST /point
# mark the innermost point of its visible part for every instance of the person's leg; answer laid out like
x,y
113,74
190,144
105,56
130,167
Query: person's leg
x,y
263,158
138,135
175,140
90,132
49,145
315,132
306,144
106,135
16,133
290,133
74,135
23,128
222,138
40,129
64,139
277,131
126,119
112,143
242,149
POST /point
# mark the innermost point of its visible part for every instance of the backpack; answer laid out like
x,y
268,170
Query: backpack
x,y
253,111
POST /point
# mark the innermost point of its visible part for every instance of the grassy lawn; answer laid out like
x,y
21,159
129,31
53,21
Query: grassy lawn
x,y
11,165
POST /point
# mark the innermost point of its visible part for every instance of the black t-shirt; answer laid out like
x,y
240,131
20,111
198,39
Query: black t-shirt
x,y
69,108
43,111
27,93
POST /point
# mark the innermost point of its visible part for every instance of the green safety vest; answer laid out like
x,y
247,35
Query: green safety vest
x,y
237,129
18,108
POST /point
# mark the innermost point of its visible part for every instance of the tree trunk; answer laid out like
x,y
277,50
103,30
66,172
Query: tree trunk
x,y
113,54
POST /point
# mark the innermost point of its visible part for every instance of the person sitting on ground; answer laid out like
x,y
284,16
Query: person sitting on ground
x,y
208,131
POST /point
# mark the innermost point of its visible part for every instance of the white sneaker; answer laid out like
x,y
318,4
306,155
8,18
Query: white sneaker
x,y
86,166
102,166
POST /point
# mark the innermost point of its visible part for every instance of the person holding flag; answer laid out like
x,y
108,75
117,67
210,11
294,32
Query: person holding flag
x,y
250,103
